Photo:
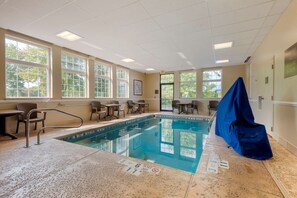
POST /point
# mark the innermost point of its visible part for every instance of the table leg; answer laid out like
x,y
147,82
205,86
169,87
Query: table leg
x,y
3,128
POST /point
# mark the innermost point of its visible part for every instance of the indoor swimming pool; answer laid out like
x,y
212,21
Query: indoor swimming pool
x,y
166,140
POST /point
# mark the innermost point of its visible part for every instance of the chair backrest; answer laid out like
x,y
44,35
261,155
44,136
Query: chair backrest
x,y
130,104
26,107
115,102
195,104
213,104
175,103
141,101
95,104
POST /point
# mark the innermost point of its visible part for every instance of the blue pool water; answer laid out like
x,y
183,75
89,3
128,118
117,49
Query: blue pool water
x,y
176,143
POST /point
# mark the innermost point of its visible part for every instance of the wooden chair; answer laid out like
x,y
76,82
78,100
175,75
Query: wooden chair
x,y
96,107
131,106
193,106
175,105
26,107
146,106
212,106
118,109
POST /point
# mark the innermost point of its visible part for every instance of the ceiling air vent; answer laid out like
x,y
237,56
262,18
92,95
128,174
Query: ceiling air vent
x,y
247,59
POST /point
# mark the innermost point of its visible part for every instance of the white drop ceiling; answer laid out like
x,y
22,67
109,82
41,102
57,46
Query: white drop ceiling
x,y
151,32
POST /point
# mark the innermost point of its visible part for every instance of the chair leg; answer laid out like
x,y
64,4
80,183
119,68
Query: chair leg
x,y
91,116
35,126
43,125
26,131
17,129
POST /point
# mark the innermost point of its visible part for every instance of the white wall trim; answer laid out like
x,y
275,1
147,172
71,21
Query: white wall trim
x,y
285,103
253,100
290,147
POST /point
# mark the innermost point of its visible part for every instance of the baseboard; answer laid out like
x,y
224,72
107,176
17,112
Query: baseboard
x,y
290,147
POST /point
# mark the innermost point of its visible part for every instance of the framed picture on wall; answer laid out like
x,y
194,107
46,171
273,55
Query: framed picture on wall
x,y
291,61
137,87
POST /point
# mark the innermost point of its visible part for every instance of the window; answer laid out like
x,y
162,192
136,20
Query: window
x,y
27,69
167,78
73,76
102,80
122,83
187,85
212,84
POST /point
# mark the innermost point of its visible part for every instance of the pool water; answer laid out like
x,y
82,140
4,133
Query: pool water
x,y
177,143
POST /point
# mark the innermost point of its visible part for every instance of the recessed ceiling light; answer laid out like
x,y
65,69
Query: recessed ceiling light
x,y
149,69
223,45
128,60
181,55
68,36
222,61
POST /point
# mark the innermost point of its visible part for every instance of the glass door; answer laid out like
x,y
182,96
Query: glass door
x,y
166,92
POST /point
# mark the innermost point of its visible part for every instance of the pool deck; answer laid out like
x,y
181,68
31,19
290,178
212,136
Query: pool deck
x,y
61,169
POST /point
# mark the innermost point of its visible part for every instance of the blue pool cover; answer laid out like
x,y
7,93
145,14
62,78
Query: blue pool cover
x,y
235,123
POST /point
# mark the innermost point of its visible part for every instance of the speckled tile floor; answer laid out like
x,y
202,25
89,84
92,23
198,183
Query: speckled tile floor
x,y
60,169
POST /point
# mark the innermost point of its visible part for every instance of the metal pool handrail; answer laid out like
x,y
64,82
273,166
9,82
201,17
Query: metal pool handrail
x,y
45,127
210,120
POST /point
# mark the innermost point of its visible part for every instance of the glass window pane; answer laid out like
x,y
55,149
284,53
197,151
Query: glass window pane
x,y
212,89
73,76
29,77
102,80
187,87
167,78
122,83
212,75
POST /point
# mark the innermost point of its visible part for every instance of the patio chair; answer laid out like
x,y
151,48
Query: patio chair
x,y
193,106
96,107
146,106
26,107
118,109
175,105
212,106
131,106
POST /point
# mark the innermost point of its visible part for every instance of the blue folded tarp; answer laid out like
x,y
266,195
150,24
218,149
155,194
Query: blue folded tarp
x,y
235,123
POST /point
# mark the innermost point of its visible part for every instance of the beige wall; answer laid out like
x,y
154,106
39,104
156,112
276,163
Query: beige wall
x,y
230,74
282,111
80,107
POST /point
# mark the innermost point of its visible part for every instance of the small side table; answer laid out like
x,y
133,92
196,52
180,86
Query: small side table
x,y
3,115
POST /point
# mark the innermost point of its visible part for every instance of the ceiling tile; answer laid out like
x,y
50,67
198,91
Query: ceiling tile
x,y
237,38
239,27
271,20
190,27
12,18
279,6
102,7
259,11
184,15
221,6
264,31
157,7
62,19
125,16
40,8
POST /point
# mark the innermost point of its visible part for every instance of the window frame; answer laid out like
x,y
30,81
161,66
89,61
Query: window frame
x,y
215,80
126,81
85,73
47,66
109,78
189,83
